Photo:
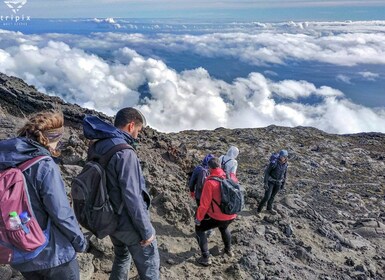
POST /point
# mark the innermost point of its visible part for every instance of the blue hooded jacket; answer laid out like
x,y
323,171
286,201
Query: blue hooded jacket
x,y
48,199
125,181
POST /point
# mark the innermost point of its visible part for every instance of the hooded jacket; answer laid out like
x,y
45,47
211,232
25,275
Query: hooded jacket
x,y
229,160
48,200
125,181
198,177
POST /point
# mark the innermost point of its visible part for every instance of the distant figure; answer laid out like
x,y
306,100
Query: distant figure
x,y
210,216
274,180
40,136
228,161
135,236
198,179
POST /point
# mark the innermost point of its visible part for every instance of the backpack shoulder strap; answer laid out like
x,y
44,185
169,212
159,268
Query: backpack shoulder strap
x,y
105,158
27,164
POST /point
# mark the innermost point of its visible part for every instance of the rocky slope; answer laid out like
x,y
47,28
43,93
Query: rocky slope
x,y
330,223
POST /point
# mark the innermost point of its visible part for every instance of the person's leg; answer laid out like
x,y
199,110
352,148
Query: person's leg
x,y
265,198
65,271
122,260
200,232
32,275
226,235
146,260
275,190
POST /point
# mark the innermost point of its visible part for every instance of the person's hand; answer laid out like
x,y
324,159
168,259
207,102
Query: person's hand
x,y
197,222
147,242
192,194
266,186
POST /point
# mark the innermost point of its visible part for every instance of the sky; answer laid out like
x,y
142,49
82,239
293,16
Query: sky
x,y
263,10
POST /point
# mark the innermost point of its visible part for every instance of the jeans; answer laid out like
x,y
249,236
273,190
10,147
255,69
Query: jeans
x,y
208,223
146,260
269,196
66,271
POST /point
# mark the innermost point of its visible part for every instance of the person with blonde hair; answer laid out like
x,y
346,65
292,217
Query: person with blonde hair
x,y
40,136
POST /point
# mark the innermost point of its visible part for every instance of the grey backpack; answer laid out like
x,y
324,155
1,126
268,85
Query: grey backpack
x,y
232,196
90,198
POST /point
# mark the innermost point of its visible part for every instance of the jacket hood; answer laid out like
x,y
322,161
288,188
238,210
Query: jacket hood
x,y
217,172
233,152
96,129
15,151
206,159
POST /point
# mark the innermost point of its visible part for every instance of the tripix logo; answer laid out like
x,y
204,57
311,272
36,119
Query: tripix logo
x,y
15,5
14,19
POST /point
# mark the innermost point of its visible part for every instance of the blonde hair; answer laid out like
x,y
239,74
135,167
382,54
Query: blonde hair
x,y
39,123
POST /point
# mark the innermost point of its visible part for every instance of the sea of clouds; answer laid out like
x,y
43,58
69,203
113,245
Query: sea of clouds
x,y
76,68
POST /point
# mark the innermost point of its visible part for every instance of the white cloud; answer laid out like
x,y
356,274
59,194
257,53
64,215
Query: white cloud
x,y
343,78
179,100
369,75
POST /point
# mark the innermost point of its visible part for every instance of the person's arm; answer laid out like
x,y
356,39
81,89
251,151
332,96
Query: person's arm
x,y
234,167
267,174
205,201
56,204
129,179
284,179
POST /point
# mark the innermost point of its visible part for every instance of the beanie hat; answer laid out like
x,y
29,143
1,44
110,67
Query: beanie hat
x,y
283,153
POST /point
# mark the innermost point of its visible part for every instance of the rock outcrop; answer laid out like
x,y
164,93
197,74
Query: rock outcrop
x,y
329,224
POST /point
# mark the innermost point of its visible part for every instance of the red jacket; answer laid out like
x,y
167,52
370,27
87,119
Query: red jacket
x,y
211,190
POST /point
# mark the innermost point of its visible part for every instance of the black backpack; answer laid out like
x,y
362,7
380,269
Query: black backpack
x,y
232,196
90,198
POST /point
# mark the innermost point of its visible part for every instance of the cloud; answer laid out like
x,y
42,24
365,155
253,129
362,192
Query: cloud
x,y
343,78
369,75
174,101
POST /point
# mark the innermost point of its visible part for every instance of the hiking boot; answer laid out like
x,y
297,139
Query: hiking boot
x,y
210,233
205,261
272,212
228,252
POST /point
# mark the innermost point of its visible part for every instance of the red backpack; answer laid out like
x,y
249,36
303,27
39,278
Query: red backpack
x,y
28,240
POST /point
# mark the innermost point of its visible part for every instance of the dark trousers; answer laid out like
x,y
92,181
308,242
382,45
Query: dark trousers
x,y
208,223
269,196
65,271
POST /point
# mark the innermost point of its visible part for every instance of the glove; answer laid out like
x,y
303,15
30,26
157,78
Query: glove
x,y
192,194
197,222
266,186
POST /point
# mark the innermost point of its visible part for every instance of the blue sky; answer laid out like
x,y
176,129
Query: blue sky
x,y
261,10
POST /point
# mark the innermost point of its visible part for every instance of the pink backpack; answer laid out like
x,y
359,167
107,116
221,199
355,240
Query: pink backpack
x,y
25,243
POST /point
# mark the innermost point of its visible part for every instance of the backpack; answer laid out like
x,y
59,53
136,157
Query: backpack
x,y
25,243
204,172
90,198
232,196
223,163
274,159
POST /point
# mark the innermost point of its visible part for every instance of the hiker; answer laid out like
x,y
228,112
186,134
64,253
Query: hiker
x,y
134,237
40,137
274,180
229,163
209,214
198,179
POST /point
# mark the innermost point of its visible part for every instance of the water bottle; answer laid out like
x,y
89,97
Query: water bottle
x,y
24,217
14,220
